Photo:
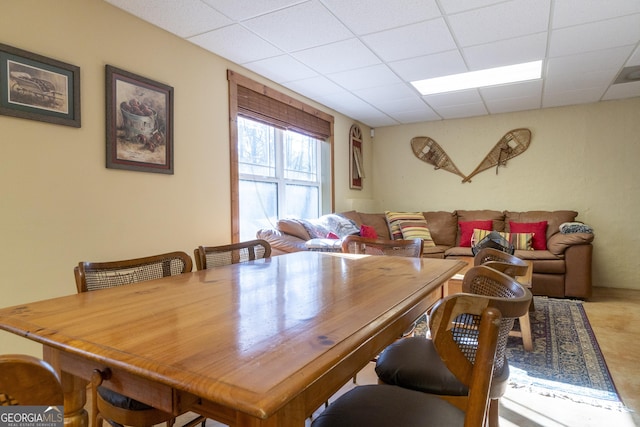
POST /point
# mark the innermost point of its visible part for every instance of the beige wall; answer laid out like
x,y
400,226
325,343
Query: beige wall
x,y
584,158
59,204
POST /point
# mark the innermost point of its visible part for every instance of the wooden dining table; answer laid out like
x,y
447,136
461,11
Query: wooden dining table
x,y
262,343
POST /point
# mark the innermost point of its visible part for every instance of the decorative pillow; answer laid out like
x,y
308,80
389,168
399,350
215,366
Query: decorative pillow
x,y
467,227
314,228
368,232
416,230
332,235
520,241
294,227
393,217
337,224
539,230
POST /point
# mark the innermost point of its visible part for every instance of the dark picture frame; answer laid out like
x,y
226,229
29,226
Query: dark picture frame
x,y
356,160
139,123
38,88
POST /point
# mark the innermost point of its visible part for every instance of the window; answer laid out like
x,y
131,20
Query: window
x,y
281,158
279,176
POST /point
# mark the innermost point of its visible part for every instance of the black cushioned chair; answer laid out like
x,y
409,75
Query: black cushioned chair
x,y
414,362
455,321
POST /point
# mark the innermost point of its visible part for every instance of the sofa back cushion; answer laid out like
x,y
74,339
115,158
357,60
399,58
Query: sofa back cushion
x,y
443,227
379,222
293,227
553,218
478,215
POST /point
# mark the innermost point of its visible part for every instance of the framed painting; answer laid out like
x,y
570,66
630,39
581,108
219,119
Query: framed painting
x,y
35,87
139,123
356,164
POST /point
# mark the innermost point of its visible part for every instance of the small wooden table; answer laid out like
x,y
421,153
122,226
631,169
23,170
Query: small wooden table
x,y
454,285
263,343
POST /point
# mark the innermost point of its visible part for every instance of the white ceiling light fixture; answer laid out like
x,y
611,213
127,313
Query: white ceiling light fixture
x,y
482,78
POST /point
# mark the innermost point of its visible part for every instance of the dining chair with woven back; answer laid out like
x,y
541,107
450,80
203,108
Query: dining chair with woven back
x,y
455,321
217,256
515,267
415,364
94,276
28,381
361,245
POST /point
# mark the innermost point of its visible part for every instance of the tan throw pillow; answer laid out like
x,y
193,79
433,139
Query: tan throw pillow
x,y
416,230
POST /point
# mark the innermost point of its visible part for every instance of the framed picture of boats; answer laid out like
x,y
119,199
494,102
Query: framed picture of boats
x,y
139,123
35,87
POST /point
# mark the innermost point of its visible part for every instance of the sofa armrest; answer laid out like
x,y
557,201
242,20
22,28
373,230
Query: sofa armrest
x,y
558,243
281,242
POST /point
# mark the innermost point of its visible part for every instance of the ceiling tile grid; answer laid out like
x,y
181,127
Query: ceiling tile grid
x,y
358,57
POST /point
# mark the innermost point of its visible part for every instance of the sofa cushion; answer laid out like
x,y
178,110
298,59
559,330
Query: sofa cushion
x,y
496,216
394,218
353,216
539,230
553,218
378,221
293,227
467,227
443,227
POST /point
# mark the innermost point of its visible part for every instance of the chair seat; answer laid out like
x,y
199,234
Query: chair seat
x,y
415,364
389,406
121,401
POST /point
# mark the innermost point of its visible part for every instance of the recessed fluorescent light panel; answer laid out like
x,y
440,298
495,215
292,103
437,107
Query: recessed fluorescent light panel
x,y
482,78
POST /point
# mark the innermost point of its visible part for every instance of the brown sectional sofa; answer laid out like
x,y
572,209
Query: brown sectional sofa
x,y
563,270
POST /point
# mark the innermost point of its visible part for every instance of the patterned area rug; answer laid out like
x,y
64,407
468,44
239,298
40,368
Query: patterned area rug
x,y
566,361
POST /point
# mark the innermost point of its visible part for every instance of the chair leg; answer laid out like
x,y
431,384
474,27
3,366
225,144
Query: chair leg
x,y
494,416
525,328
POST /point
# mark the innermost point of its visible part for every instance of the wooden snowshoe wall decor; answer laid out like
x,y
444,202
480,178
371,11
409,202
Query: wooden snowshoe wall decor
x,y
512,144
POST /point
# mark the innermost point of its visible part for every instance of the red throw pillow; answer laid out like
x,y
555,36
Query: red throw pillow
x,y
332,235
368,232
466,230
539,230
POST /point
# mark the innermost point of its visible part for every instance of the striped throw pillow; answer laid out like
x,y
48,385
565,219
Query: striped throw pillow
x,y
520,241
416,230
394,217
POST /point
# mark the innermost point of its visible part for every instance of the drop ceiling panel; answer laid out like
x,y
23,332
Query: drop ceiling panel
x,y
299,27
611,33
358,56
425,67
185,18
316,87
281,69
237,44
368,16
361,78
336,57
573,12
506,52
411,40
502,21
241,10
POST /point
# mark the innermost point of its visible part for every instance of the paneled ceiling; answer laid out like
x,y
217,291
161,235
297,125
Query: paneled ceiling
x,y
358,56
